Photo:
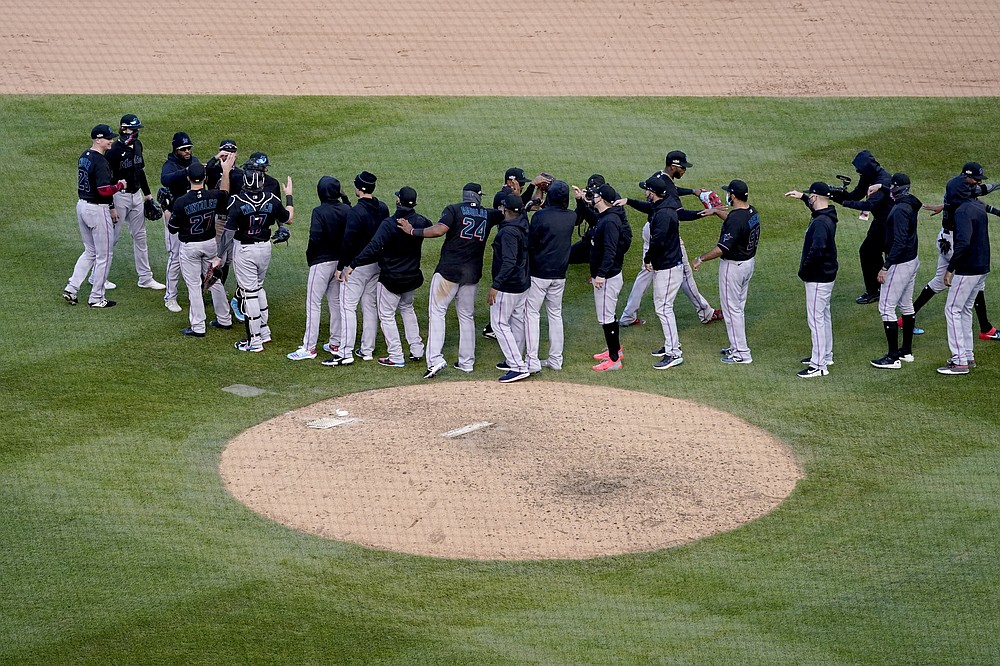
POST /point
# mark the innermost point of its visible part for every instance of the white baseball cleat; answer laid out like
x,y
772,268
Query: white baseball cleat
x,y
151,283
302,354
172,305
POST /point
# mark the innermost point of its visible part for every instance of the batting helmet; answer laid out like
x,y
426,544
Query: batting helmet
x,y
131,121
253,180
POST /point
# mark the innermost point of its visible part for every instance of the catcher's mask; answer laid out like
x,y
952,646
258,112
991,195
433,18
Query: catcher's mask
x,y
253,180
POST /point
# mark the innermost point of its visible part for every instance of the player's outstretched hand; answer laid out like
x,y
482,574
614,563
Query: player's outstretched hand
x,y
934,208
793,194
288,186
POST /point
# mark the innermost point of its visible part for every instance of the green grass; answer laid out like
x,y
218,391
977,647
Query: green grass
x,y
120,544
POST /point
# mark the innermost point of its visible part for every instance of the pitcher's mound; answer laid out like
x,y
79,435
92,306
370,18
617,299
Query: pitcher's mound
x,y
537,470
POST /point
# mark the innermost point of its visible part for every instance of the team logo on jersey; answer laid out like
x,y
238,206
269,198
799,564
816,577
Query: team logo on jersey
x,y
727,237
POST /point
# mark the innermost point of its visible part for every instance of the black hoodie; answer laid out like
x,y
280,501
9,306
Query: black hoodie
x,y
870,172
664,237
326,231
362,221
510,256
819,250
612,239
972,240
550,235
173,174
901,231
397,252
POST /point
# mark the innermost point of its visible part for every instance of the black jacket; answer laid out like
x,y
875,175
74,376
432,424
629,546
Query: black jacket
x,y
326,231
362,221
550,235
664,237
173,174
972,240
127,163
612,239
901,231
510,256
397,252
819,250
869,173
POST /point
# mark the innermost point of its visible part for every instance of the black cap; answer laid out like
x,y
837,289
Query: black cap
x,y
196,172
131,121
181,140
407,196
608,193
517,174
512,202
819,188
656,185
974,170
899,179
228,145
678,158
365,181
102,132
738,189
596,180
473,187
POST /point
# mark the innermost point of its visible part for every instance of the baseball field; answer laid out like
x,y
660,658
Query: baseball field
x,y
119,542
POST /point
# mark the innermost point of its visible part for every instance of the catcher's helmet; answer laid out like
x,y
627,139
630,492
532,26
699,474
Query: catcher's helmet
x,y
257,161
253,180
131,121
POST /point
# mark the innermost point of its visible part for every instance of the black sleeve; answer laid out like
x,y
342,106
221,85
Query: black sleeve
x,y
961,242
527,193
684,191
508,263
585,213
611,237
370,253
641,205
900,227
280,212
871,203
143,182
685,215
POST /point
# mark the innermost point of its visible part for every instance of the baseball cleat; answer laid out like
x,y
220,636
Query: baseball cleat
x,y
265,337
634,322
70,297
727,351
302,354
659,353
907,358
608,364
389,363
603,356
337,359
502,365
887,362
668,362
514,376
152,284
333,349
866,298
435,369
808,361
108,284
235,305
415,357
245,346
467,371
954,369
971,363
172,305
991,335
716,316
191,332
364,357
812,371
736,358
215,324
104,303
488,332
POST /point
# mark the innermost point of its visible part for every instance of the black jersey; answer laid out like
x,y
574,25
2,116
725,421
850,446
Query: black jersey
x,y
93,172
194,214
252,214
127,164
469,226
740,234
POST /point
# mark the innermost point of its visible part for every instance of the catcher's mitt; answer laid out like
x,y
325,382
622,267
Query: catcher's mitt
x,y
164,198
211,276
281,235
710,199
151,210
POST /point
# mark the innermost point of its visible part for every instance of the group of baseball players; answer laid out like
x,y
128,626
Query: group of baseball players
x,y
364,255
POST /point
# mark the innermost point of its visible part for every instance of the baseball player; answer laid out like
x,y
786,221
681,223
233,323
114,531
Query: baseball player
x,y
173,176
959,189
509,289
965,277
737,248
128,164
876,206
611,240
193,221
213,168
550,236
818,270
898,272
326,232
398,255
465,226
252,212
96,216
362,222
579,253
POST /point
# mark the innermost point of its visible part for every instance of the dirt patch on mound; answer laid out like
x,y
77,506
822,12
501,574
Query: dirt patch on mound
x,y
562,471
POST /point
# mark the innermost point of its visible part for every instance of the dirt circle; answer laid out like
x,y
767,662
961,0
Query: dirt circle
x,y
563,471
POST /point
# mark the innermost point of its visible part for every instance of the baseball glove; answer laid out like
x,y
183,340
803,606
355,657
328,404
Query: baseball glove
x,y
151,210
211,276
281,235
710,199
164,198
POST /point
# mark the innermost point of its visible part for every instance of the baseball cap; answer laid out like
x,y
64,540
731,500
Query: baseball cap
x,y
228,145
517,174
608,193
365,181
656,185
595,181
407,196
196,172
131,121
473,187
819,188
181,140
678,158
974,170
102,132
738,189
512,202
899,179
